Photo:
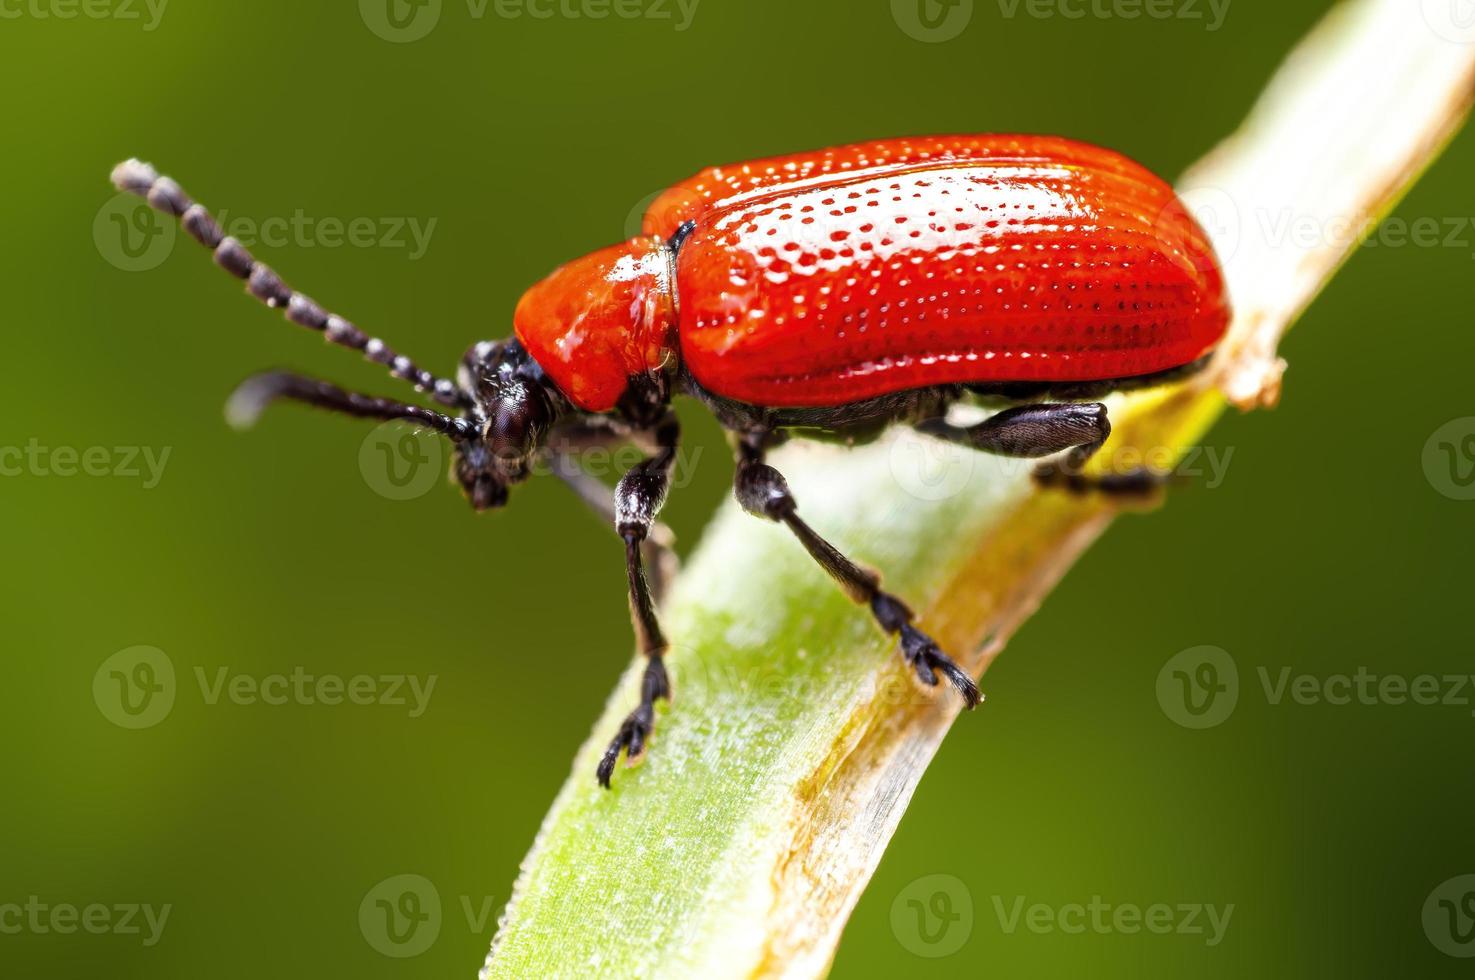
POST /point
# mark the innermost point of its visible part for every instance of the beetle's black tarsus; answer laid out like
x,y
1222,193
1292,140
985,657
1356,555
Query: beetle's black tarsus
x,y
254,394
167,197
763,492
636,728
1137,484
928,660
638,500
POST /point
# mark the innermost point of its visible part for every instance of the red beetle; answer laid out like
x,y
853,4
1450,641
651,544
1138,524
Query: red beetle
x,y
828,294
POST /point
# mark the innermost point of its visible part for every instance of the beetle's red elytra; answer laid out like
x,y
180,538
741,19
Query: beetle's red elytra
x,y
828,294
825,278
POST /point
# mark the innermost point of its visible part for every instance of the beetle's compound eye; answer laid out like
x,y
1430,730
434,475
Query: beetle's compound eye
x,y
509,431
516,422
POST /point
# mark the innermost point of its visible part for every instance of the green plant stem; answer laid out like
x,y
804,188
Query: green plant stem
x,y
796,739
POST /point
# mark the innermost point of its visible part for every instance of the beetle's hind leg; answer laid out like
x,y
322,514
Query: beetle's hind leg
x,y
1031,431
1035,431
763,492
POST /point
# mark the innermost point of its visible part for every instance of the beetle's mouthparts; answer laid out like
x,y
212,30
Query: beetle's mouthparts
x,y
487,493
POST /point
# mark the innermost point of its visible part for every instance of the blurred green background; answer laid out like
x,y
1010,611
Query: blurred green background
x,y
528,141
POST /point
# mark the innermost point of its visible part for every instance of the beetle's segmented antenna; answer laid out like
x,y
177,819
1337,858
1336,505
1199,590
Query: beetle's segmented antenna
x,y
254,394
166,196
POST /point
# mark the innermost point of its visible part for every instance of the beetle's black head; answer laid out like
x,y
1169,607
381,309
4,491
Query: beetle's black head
x,y
514,406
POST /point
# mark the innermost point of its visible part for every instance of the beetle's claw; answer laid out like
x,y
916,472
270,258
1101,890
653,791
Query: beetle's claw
x,y
1141,487
927,659
631,739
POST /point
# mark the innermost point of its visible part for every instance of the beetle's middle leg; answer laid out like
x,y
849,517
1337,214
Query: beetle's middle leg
x,y
763,492
638,499
1036,431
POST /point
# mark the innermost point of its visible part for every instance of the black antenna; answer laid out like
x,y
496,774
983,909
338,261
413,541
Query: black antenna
x,y
254,394
166,196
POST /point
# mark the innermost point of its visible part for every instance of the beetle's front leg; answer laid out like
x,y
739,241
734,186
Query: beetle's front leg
x,y
1036,431
638,499
657,550
763,492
